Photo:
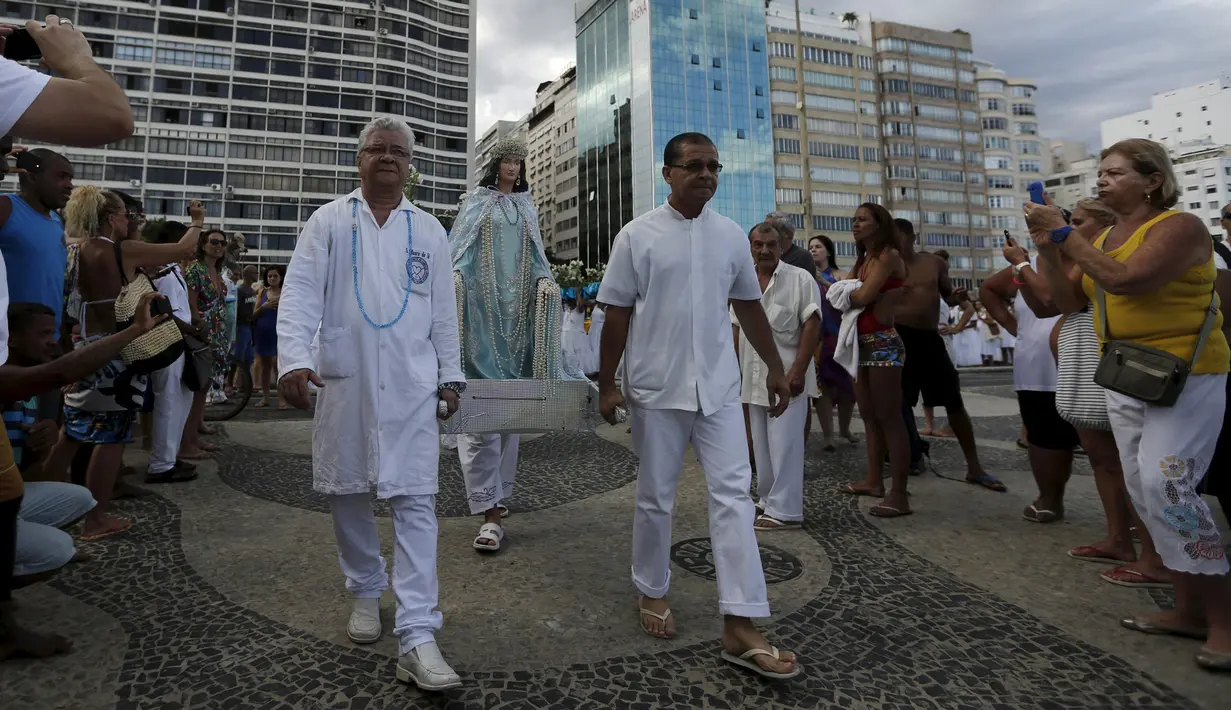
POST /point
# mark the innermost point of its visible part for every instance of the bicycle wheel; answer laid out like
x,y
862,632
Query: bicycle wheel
x,y
235,402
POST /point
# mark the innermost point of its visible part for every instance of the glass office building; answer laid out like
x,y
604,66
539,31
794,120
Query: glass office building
x,y
648,70
255,106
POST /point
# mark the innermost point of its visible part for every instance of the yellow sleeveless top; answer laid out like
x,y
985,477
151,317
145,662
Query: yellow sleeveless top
x,y
1168,319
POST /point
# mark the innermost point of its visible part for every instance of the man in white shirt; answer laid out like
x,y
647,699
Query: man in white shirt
x,y
372,272
83,106
791,299
669,280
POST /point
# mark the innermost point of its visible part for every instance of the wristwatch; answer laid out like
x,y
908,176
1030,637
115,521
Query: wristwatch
x,y
1017,268
1059,235
457,387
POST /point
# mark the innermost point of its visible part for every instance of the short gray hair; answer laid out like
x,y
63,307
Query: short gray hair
x,y
782,221
385,123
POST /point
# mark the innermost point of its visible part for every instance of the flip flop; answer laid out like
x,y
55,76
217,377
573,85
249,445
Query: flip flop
x,y
1213,661
744,660
1090,553
1143,625
489,531
661,617
888,511
775,524
1036,515
122,525
989,482
260,405
1133,579
850,490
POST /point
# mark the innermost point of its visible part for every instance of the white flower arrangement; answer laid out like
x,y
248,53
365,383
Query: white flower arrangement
x,y
570,275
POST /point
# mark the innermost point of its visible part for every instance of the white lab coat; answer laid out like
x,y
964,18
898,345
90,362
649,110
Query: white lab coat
x,y
375,424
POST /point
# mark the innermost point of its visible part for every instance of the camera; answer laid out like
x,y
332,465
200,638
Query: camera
x,y
20,46
160,307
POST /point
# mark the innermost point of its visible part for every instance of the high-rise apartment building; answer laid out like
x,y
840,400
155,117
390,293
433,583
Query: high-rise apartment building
x,y
1203,170
254,107
552,164
1013,153
648,70
933,149
1077,181
823,95
483,146
1194,113
1065,153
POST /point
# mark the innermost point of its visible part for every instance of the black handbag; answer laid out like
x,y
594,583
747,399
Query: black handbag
x,y
1144,373
198,364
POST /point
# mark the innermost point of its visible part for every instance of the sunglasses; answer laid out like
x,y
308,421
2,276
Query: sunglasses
x,y
1226,216
217,242
696,166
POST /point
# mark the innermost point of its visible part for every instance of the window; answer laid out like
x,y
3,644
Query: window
x,y
833,128
1028,147
786,145
789,196
938,134
826,198
1001,202
1023,109
991,86
827,223
931,71
930,50
828,56
941,175
831,81
1029,166
829,103
898,128
997,162
842,175
778,73
895,86
1023,92
995,143
717,85
992,105
896,108
934,91
792,171
901,172
782,49
936,113
901,150
871,155
1028,129
871,177
839,151
1000,182
1211,189
787,121
695,59
788,98
891,44
995,124
1003,221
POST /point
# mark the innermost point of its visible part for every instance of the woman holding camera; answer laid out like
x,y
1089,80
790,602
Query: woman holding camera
x,y
1151,279
207,298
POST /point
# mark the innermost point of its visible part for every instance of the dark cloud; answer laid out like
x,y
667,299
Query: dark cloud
x,y
1092,60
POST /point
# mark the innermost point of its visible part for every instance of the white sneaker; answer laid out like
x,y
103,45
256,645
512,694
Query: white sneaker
x,y
364,624
426,668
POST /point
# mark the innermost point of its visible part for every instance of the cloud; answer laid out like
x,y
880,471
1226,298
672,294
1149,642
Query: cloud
x,y
1091,60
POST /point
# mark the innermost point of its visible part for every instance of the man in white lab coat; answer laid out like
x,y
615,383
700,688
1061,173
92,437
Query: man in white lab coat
x,y
670,277
372,272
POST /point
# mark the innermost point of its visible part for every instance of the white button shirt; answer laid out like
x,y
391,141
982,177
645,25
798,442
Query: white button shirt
x,y
677,275
375,423
790,299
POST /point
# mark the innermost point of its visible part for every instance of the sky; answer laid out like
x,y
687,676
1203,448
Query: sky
x,y
1091,59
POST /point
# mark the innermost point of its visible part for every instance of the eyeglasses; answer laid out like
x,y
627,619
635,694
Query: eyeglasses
x,y
1226,216
397,151
696,166
218,242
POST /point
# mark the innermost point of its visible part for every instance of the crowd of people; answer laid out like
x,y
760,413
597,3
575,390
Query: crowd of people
x,y
705,330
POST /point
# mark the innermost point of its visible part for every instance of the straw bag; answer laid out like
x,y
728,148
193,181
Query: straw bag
x,y
158,348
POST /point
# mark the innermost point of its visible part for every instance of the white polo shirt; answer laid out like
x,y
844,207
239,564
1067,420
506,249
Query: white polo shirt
x,y
678,275
790,299
19,86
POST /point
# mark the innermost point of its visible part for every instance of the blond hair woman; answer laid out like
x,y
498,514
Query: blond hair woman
x,y
1154,273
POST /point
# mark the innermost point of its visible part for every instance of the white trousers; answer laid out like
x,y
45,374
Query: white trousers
x,y
1165,452
660,437
778,448
414,560
489,465
172,402
46,507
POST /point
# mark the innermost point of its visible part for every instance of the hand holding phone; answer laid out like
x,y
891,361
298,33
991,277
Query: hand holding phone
x,y
19,45
160,306
1036,193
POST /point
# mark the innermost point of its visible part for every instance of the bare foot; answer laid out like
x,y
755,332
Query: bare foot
x,y
661,626
102,526
17,642
740,636
925,431
946,432
863,489
195,455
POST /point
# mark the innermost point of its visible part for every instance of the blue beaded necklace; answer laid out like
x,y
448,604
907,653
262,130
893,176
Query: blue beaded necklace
x,y
354,265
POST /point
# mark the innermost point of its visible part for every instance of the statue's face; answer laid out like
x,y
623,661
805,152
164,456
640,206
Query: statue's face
x,y
385,159
510,170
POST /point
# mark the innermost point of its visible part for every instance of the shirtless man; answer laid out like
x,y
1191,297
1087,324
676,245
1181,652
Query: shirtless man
x,y
928,368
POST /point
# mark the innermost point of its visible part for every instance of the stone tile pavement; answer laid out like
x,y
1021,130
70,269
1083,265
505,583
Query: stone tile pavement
x,y
226,594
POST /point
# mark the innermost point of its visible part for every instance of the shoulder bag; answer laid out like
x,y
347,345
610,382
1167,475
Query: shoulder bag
x,y
156,349
1144,373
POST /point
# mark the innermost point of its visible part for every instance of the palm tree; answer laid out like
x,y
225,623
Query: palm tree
x,y
851,19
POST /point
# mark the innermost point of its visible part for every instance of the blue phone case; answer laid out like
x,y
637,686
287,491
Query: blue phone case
x,y
1036,192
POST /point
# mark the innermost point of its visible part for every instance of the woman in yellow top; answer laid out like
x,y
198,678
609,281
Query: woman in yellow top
x,y
1156,267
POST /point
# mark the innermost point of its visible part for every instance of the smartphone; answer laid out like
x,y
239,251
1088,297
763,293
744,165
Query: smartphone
x,y
1008,239
160,307
20,46
1036,193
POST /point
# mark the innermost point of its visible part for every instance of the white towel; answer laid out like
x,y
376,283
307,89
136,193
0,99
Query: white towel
x,y
846,353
